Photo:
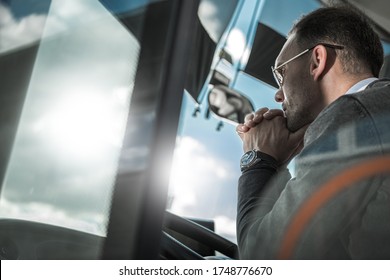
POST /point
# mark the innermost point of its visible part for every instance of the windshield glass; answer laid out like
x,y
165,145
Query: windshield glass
x,y
63,161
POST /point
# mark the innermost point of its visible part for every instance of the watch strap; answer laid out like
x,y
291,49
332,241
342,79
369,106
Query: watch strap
x,y
263,159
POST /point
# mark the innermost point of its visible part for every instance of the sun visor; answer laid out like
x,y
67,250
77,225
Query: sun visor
x,y
203,48
213,19
265,49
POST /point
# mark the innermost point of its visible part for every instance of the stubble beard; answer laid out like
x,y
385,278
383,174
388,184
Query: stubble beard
x,y
297,119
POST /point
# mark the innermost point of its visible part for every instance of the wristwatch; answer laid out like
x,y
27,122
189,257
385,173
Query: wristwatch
x,y
249,159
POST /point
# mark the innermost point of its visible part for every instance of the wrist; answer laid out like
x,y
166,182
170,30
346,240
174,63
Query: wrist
x,y
252,157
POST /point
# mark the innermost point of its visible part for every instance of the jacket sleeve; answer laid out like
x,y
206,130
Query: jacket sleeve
x,y
254,194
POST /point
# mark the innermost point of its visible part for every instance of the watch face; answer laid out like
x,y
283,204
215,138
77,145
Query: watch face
x,y
248,157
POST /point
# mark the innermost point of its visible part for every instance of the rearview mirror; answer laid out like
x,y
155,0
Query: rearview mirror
x,y
229,104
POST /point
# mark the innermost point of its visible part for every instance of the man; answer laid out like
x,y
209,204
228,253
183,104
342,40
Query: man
x,y
336,113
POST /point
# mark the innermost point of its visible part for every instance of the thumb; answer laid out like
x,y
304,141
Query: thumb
x,y
296,139
298,149
297,136
241,129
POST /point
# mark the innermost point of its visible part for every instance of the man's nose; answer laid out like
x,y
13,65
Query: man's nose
x,y
279,96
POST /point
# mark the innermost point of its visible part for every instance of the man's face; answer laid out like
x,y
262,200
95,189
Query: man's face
x,y
298,94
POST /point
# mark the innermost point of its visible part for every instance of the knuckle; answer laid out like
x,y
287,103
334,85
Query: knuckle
x,y
249,117
262,110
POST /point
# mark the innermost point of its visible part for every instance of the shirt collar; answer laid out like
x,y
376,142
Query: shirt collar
x,y
361,85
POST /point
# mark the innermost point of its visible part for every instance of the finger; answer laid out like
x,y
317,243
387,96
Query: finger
x,y
295,152
298,149
299,134
249,117
241,128
249,120
250,123
261,110
258,117
272,113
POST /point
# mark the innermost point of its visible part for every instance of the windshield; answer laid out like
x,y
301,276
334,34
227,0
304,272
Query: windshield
x,y
66,94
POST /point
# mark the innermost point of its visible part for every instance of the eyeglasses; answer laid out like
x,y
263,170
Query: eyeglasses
x,y
278,71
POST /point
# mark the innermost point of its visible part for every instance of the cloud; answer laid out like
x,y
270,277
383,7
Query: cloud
x,y
191,154
17,33
45,213
203,186
208,14
63,15
226,227
215,16
191,159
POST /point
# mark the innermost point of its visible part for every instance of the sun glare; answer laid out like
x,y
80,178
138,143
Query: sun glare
x,y
85,124
236,43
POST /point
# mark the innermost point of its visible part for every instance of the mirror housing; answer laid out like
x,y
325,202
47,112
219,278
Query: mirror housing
x,y
228,104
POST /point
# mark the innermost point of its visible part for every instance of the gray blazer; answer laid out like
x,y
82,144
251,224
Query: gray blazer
x,y
338,204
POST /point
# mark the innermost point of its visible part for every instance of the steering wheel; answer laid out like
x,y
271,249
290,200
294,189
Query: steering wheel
x,y
173,248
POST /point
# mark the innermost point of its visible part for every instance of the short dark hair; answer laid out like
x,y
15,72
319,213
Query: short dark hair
x,y
344,26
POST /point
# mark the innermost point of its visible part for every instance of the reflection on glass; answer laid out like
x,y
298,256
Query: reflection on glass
x,y
229,104
64,159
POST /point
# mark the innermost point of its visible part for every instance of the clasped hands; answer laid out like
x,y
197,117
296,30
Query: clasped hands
x,y
265,130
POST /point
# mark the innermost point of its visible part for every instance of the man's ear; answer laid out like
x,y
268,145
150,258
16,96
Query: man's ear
x,y
318,61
